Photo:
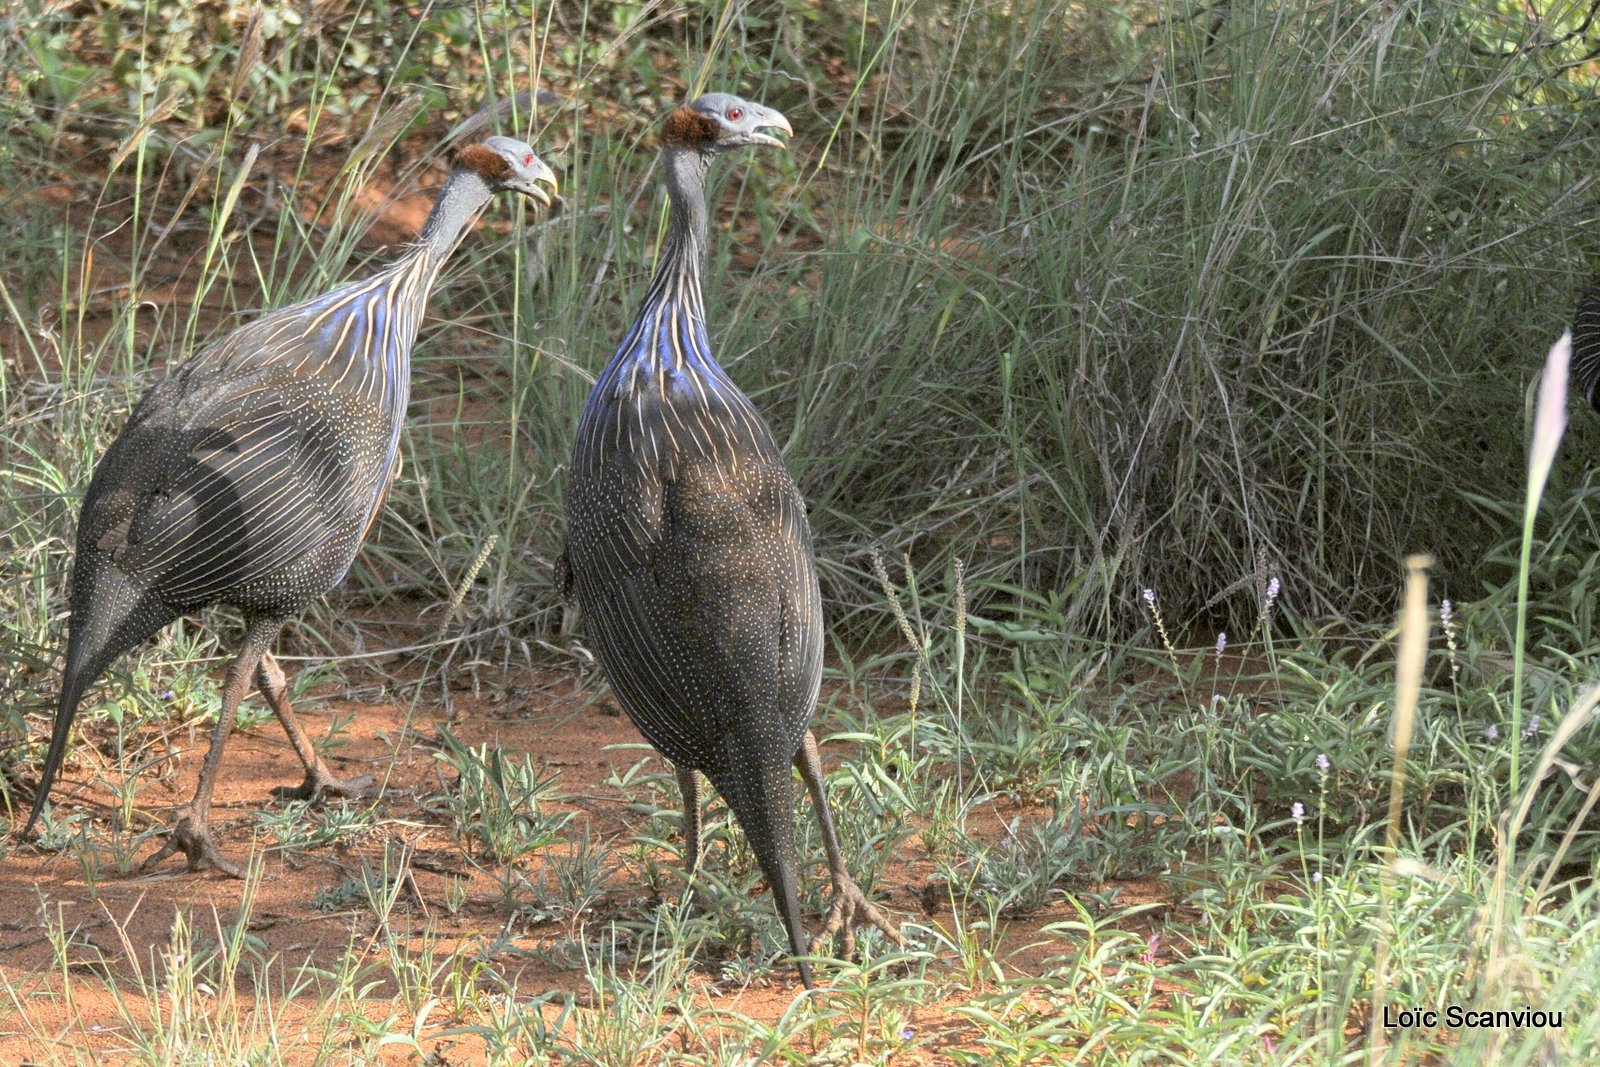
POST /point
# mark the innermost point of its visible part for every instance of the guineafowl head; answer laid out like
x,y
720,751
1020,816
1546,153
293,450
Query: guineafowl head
x,y
716,122
509,166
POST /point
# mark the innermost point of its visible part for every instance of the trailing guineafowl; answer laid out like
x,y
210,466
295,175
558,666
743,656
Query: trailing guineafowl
x,y
251,475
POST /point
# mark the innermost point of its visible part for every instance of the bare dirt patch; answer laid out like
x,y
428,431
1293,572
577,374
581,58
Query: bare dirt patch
x,y
120,926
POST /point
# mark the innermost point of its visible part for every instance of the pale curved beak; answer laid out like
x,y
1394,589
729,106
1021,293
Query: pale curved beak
x,y
772,119
540,175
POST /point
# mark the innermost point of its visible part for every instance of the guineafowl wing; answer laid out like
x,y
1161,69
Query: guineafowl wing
x,y
703,605
741,538
252,488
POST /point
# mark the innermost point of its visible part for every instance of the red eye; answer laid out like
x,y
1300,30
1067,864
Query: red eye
x,y
735,114
527,160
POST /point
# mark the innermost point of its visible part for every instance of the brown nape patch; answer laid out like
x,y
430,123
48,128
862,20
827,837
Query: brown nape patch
x,y
489,164
686,126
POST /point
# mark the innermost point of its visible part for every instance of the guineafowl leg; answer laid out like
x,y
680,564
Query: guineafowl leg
x,y
689,786
849,906
191,831
320,781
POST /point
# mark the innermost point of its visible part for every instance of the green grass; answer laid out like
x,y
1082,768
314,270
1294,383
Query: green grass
x,y
1049,305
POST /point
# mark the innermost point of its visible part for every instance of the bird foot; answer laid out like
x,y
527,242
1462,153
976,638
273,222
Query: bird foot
x,y
321,784
191,835
848,909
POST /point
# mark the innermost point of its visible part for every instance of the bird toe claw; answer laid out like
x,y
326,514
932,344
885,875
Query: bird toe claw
x,y
192,836
849,909
321,784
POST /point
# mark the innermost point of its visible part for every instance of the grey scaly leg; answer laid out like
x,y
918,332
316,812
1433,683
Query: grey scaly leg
x,y
319,782
191,831
849,906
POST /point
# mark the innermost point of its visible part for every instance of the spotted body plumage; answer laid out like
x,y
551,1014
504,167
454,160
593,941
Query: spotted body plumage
x,y
682,508
689,548
251,475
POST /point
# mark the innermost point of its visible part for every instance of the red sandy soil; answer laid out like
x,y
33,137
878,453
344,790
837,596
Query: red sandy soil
x,y
121,924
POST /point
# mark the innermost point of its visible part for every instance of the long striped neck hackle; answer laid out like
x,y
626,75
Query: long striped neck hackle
x,y
383,313
683,254
412,277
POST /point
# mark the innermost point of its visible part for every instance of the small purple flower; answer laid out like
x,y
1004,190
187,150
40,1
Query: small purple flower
x,y
1297,811
1151,946
1491,732
1222,642
1272,590
1150,597
1447,611
1532,729
1323,762
166,695
1316,877
907,1033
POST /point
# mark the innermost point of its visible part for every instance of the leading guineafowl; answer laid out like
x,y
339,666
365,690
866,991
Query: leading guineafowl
x,y
690,553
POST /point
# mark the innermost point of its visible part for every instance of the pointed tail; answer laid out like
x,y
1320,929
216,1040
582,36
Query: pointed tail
x,y
764,804
108,618
1586,346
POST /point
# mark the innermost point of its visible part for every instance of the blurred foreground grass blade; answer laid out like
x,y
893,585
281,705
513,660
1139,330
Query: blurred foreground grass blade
x,y
1549,423
1409,656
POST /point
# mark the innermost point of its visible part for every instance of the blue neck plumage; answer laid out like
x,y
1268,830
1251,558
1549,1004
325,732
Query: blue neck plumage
x,y
371,325
667,343
413,276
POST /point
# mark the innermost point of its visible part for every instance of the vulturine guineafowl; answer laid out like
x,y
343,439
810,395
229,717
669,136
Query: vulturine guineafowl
x,y
251,475
690,552
1585,374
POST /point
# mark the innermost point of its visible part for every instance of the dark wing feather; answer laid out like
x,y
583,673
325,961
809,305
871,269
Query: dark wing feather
x,y
800,640
692,558
247,484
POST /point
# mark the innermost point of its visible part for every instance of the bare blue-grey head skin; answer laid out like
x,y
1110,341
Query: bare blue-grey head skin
x,y
739,122
526,173
484,170
690,552
251,474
